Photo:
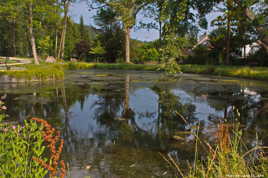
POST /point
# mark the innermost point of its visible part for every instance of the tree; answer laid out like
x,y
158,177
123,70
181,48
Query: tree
x,y
32,14
30,28
66,5
111,37
82,28
126,12
259,17
246,17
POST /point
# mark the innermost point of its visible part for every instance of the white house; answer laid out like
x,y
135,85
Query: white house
x,y
250,49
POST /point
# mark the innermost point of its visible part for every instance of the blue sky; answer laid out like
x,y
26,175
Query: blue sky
x,y
81,9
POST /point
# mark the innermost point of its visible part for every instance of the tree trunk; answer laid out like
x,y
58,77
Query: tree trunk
x,y
14,24
228,43
160,34
63,34
228,34
32,38
127,44
56,43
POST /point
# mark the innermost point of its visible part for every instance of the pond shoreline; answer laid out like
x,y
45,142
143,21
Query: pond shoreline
x,y
45,72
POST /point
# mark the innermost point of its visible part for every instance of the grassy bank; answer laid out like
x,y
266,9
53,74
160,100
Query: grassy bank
x,y
260,73
108,66
56,71
37,72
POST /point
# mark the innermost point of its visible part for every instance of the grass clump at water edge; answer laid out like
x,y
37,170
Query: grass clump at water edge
x,y
37,72
228,158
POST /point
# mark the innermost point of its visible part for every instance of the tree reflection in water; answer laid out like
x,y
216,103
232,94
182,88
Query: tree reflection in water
x,y
119,124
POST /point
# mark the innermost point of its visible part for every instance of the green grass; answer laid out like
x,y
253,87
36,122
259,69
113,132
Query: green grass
x,y
260,73
37,72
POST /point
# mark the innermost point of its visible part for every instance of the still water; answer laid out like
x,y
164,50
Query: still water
x,y
117,124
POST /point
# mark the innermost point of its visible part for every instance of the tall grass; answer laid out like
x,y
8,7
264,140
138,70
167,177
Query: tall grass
x,y
230,157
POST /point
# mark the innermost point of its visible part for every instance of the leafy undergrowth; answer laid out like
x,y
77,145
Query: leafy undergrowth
x,y
30,150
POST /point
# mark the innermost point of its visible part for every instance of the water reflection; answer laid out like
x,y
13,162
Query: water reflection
x,y
119,122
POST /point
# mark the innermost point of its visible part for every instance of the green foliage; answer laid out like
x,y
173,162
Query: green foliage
x,y
259,58
202,55
170,67
97,51
125,10
142,52
18,146
173,48
111,38
81,49
44,45
15,15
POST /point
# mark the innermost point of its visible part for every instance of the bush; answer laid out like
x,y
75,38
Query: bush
x,y
259,58
202,55
24,149
18,146
170,67
146,54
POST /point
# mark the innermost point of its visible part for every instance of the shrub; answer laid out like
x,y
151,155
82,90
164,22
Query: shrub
x,y
18,145
170,67
24,149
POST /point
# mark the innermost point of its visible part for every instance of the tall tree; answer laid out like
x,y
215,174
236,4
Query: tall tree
x,y
126,12
82,28
111,37
66,5
31,34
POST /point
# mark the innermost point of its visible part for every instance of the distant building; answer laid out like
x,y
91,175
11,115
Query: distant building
x,y
246,51
203,40
250,49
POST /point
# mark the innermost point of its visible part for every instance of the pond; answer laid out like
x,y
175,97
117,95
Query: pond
x,y
121,123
